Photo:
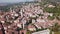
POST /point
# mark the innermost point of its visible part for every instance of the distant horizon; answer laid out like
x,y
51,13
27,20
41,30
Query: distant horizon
x,y
14,1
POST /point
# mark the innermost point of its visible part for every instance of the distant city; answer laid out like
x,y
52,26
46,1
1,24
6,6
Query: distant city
x,y
30,17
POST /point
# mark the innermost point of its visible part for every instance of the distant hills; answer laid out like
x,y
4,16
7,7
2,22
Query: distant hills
x,y
54,0
5,4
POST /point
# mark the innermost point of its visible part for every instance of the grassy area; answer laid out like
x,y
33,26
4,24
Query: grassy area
x,y
55,29
28,32
57,32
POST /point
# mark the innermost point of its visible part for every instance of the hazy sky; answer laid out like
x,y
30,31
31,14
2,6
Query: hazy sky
x,y
12,1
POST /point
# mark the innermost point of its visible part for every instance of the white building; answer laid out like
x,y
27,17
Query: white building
x,y
43,32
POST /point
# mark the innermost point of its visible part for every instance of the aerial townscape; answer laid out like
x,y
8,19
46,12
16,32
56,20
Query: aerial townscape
x,y
35,17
